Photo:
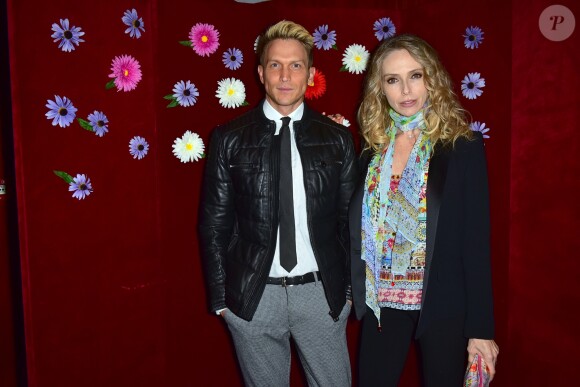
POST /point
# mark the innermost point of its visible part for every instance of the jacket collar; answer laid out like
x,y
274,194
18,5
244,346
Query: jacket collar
x,y
302,123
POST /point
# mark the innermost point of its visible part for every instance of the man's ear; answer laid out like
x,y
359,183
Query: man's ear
x,y
311,75
261,73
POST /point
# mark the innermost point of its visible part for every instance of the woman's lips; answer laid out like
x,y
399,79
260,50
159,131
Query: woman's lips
x,y
408,103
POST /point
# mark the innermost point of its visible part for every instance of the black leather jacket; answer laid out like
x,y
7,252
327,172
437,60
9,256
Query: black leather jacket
x,y
239,207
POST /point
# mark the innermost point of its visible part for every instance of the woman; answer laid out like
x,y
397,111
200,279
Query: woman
x,y
419,223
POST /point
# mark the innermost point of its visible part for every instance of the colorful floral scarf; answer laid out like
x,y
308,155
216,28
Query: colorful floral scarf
x,y
381,216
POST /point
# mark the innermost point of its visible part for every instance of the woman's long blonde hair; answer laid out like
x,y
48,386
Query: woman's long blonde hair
x,y
446,119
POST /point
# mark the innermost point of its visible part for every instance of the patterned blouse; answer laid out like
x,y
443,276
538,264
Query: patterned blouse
x,y
396,290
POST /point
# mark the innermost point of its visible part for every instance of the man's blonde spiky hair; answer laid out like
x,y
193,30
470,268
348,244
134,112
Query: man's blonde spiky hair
x,y
285,29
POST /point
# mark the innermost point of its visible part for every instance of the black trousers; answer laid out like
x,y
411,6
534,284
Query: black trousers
x,y
442,349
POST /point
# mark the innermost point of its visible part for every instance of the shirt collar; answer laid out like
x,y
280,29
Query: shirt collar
x,y
274,115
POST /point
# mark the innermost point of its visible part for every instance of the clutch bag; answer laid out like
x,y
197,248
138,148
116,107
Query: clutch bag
x,y
477,373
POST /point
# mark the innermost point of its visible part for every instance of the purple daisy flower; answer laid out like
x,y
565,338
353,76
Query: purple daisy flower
x,y
323,39
81,186
134,22
384,28
68,36
471,85
138,147
479,127
185,93
473,37
62,112
233,58
98,121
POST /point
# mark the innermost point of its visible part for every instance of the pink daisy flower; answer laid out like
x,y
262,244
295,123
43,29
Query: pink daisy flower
x,y
204,39
126,72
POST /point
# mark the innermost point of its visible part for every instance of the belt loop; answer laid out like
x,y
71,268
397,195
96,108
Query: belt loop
x,y
316,278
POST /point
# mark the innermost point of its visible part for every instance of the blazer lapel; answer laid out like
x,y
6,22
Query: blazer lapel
x,y
435,185
357,265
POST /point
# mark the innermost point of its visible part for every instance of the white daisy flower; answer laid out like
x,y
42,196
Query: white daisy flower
x,y
188,147
346,122
231,92
355,58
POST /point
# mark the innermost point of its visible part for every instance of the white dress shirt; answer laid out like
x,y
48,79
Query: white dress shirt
x,y
304,253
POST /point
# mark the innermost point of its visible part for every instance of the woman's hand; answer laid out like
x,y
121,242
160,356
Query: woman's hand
x,y
487,349
338,118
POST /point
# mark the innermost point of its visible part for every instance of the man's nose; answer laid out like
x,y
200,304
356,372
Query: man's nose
x,y
285,74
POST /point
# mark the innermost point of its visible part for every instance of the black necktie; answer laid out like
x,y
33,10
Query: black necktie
x,y
287,231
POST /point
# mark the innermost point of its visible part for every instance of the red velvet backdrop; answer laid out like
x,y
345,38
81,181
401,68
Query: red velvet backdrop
x,y
544,244
113,291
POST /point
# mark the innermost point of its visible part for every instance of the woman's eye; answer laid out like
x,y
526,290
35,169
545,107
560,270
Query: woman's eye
x,y
390,81
417,76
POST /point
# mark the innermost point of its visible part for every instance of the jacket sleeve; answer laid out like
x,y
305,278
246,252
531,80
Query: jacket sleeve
x,y
479,321
348,180
216,219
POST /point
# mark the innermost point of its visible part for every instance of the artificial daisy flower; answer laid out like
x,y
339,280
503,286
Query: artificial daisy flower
x,y
384,28
188,147
317,87
324,39
184,94
98,121
138,147
479,127
471,85
233,58
135,23
346,122
126,73
81,186
473,37
62,112
355,59
204,39
231,92
68,36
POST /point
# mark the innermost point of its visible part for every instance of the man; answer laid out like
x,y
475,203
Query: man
x,y
273,224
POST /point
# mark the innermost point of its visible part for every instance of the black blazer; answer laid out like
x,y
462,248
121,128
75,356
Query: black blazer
x,y
457,277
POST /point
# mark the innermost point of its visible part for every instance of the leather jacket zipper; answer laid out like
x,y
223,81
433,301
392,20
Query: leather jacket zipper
x,y
274,204
310,232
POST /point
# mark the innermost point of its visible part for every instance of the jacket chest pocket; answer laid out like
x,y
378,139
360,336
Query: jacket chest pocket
x,y
241,167
326,166
247,179
328,163
324,175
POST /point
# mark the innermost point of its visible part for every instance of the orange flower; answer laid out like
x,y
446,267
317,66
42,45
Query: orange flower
x,y
317,87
